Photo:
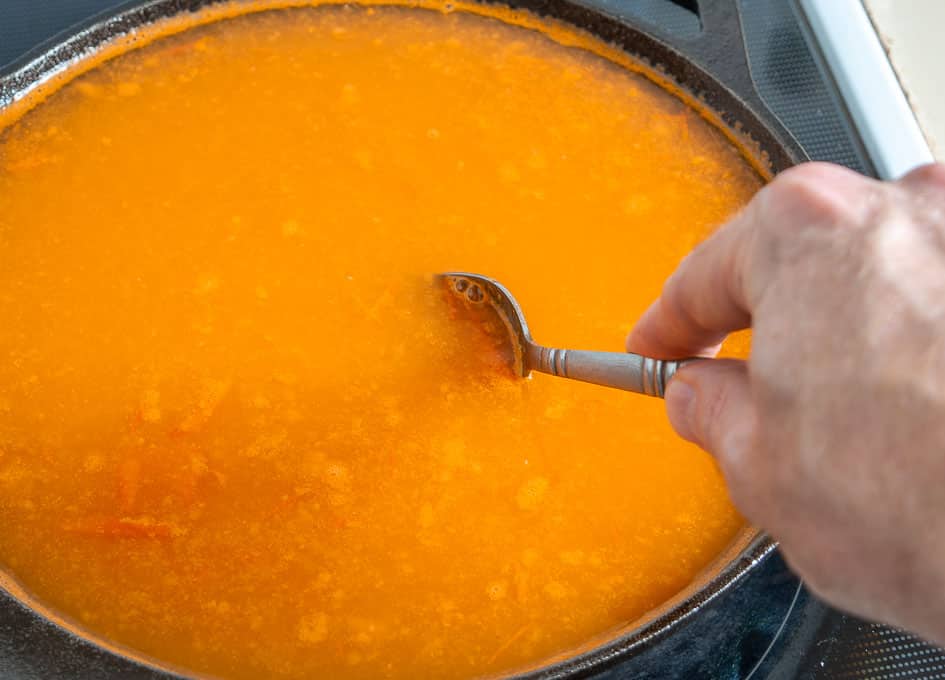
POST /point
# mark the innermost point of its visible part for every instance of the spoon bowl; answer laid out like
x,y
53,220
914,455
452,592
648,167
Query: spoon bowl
x,y
481,296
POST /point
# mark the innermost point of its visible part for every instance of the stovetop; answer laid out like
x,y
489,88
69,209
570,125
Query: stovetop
x,y
789,633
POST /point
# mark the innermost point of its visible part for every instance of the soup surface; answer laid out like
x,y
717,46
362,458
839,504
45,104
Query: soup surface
x,y
239,430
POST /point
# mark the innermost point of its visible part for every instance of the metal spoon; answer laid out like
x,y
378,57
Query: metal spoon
x,y
631,372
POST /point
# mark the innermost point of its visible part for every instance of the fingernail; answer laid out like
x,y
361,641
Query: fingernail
x,y
681,407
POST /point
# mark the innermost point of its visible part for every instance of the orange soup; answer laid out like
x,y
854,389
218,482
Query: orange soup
x,y
238,430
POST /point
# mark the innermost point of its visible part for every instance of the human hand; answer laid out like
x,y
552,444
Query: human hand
x,y
832,435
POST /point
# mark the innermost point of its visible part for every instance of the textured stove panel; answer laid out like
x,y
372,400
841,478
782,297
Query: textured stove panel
x,y
790,80
881,653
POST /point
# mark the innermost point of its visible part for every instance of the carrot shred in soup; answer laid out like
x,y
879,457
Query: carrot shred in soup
x,y
240,433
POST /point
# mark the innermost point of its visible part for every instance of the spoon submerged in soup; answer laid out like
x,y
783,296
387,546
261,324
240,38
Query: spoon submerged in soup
x,y
500,317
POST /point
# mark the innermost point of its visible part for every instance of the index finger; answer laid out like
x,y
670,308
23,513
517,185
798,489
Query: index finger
x,y
713,291
704,300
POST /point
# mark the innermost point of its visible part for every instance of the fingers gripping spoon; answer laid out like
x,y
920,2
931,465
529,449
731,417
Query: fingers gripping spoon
x,y
624,371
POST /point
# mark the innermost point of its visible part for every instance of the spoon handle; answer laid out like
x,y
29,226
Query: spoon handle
x,y
630,372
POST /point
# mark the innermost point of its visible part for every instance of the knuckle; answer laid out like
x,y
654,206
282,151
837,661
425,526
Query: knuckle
x,y
816,194
817,174
932,175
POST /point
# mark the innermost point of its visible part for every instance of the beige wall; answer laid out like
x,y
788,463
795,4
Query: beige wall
x,y
914,34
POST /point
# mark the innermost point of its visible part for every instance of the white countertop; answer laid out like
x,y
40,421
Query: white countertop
x,y
913,32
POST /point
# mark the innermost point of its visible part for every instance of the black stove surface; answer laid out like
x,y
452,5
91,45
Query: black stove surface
x,y
787,633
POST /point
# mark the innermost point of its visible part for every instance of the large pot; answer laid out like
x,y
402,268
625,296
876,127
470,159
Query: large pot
x,y
710,68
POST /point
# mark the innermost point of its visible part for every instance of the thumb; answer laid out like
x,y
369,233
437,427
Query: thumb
x,y
709,403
